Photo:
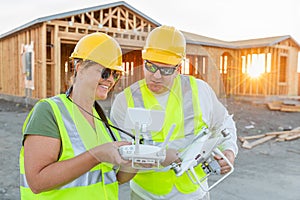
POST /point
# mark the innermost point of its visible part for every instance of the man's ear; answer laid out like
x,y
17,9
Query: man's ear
x,y
77,66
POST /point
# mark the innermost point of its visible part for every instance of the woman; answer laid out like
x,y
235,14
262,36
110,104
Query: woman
x,y
69,150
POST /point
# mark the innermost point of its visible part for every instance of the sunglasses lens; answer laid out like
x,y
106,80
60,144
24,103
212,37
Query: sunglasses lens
x,y
116,75
150,67
167,70
105,73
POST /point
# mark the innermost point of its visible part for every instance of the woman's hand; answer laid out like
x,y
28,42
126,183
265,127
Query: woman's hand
x,y
109,153
171,156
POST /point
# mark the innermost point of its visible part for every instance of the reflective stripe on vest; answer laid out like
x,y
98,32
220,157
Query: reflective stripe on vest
x,y
79,148
183,109
86,179
77,144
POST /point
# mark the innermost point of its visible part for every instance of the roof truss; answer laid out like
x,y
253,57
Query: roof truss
x,y
118,17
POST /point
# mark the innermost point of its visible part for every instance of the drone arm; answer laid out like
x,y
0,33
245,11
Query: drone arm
x,y
163,146
137,137
194,178
217,151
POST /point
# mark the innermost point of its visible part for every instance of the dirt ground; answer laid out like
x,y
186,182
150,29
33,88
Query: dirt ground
x,y
268,171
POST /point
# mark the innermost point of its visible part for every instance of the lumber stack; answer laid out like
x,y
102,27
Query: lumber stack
x,y
285,106
248,142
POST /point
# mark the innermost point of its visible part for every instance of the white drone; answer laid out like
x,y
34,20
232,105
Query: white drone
x,y
201,150
142,121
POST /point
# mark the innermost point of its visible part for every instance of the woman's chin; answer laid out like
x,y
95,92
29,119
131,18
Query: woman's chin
x,y
101,96
101,93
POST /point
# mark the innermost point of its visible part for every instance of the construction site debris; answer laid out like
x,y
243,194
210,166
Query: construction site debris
x,y
285,106
262,138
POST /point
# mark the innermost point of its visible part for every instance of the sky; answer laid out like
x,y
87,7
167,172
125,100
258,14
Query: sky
x,y
228,20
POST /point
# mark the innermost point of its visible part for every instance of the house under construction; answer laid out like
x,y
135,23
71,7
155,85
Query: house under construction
x,y
34,58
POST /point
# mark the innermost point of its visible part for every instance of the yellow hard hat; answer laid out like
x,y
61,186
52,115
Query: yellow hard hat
x,y
100,48
165,44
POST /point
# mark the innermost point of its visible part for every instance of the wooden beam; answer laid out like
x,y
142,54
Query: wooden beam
x,y
242,139
118,18
82,18
282,132
287,108
108,17
126,20
93,20
292,137
70,36
134,22
274,105
57,66
101,17
248,145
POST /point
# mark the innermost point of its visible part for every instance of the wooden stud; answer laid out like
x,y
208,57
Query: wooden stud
x,y
282,132
292,137
242,139
248,145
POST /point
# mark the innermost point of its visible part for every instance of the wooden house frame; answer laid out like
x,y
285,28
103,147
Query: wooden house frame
x,y
45,45
230,65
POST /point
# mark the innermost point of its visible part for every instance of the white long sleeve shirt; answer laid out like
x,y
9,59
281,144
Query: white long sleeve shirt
x,y
214,114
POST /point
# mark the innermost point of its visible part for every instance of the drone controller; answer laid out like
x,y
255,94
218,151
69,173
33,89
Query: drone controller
x,y
147,154
144,156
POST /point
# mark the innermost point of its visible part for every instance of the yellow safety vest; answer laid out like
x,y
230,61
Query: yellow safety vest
x,y
182,106
98,183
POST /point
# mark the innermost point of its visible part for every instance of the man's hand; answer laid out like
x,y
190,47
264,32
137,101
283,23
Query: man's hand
x,y
225,168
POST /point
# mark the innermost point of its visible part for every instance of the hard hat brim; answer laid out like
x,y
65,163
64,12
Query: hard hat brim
x,y
117,68
161,56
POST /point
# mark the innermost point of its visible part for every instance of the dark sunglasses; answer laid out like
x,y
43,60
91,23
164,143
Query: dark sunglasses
x,y
165,71
106,72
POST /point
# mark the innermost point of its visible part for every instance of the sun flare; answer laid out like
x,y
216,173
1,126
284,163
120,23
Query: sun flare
x,y
254,73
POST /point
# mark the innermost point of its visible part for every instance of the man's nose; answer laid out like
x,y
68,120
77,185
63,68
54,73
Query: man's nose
x,y
157,74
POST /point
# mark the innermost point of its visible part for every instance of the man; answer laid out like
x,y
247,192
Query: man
x,y
188,102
